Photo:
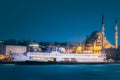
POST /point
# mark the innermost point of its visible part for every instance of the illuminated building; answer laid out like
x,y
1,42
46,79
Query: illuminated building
x,y
34,47
2,57
97,43
8,49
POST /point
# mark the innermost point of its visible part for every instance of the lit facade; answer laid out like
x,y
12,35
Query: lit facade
x,y
34,47
93,44
8,49
97,43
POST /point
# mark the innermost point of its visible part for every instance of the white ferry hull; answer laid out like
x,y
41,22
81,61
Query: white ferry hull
x,y
60,57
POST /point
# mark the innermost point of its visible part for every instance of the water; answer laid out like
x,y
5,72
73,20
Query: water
x,y
60,72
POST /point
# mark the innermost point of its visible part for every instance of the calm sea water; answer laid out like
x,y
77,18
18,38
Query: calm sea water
x,y
60,72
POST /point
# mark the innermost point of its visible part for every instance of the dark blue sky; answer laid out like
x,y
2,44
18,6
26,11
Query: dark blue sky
x,y
56,20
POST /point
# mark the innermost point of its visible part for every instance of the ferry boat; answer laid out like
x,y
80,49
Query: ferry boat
x,y
59,57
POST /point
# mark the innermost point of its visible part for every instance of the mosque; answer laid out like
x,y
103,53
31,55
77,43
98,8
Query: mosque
x,y
97,43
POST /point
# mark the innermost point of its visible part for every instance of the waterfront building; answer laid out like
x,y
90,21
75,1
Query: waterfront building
x,y
34,47
2,57
8,49
97,42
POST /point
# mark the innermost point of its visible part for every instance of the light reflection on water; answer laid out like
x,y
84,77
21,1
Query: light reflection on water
x,y
60,72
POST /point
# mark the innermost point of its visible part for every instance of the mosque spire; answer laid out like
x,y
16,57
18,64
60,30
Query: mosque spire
x,y
116,33
103,25
103,33
102,18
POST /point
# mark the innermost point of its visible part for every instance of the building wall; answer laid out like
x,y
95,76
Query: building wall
x,y
15,49
94,45
7,49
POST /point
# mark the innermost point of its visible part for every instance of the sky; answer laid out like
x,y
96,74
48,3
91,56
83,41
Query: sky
x,y
57,20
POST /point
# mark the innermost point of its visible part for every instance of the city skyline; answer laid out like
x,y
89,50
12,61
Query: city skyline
x,y
59,21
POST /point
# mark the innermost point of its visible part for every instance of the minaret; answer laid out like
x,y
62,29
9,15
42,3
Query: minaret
x,y
103,33
116,34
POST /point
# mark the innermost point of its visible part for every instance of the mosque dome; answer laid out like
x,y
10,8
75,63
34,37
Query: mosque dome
x,y
94,36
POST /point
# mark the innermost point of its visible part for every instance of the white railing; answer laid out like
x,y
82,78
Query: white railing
x,y
61,55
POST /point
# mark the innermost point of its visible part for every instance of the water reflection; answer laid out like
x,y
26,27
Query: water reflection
x,y
60,72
